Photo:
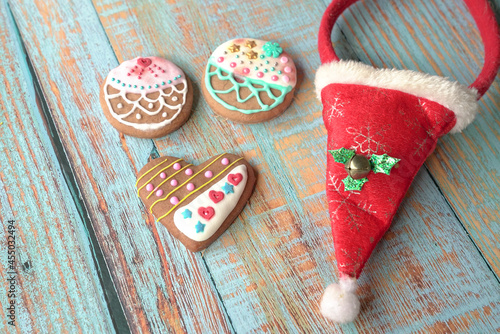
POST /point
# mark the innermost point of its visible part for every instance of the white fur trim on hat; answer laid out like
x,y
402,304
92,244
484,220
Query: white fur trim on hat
x,y
452,95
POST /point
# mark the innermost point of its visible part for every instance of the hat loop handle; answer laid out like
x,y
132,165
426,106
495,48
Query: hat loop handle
x,y
481,12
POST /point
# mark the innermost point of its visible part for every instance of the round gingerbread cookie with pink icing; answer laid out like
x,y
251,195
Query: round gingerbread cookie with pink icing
x,y
146,97
249,80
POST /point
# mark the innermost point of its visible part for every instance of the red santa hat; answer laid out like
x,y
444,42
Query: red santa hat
x,y
382,124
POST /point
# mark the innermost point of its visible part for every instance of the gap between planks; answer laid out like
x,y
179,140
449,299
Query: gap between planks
x,y
113,304
155,154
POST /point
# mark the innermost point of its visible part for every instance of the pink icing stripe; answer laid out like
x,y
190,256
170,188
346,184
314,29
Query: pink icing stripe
x,y
131,75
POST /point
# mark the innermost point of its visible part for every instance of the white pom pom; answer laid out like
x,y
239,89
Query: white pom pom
x,y
339,302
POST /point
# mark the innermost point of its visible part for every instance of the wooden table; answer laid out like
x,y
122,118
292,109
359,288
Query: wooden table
x,y
89,257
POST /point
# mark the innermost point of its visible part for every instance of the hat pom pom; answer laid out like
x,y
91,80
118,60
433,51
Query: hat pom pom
x,y
339,302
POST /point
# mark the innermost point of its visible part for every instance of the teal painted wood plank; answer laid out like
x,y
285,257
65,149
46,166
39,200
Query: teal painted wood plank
x,y
57,287
425,274
162,287
271,266
441,38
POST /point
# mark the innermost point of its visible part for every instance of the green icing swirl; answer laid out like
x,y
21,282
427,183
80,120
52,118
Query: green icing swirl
x,y
248,83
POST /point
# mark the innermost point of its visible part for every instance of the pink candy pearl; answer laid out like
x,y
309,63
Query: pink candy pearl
x,y
220,59
189,171
284,60
159,192
173,183
190,186
209,173
224,161
149,187
163,175
285,78
233,64
174,200
177,166
260,74
246,70
274,78
288,69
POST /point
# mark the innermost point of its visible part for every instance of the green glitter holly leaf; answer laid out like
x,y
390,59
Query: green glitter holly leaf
x,y
352,184
342,155
382,163
272,49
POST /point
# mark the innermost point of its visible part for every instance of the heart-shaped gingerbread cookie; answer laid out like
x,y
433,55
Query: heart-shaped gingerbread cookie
x,y
196,203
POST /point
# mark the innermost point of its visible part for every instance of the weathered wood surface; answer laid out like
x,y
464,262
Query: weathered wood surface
x,y
267,272
272,256
58,288
162,287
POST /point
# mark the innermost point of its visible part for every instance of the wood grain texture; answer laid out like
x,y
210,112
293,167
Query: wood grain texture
x,y
441,38
58,288
163,288
272,265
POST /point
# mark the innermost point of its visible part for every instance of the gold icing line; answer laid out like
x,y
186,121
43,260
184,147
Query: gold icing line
x,y
161,170
161,163
168,178
170,193
198,189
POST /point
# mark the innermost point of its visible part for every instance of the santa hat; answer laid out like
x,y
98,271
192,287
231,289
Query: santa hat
x,y
382,124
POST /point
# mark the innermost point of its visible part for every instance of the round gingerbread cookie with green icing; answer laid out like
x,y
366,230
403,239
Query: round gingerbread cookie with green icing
x,y
249,80
146,97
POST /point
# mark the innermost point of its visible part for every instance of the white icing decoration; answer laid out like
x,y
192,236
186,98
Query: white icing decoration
x,y
161,98
164,114
138,116
175,98
150,105
119,105
222,209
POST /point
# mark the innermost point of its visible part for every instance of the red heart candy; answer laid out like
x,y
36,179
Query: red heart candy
x,y
235,179
207,212
216,196
144,61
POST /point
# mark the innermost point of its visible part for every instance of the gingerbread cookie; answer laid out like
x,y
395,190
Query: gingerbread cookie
x,y
249,80
196,203
146,97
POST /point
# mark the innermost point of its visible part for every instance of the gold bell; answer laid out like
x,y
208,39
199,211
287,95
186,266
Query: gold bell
x,y
358,167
